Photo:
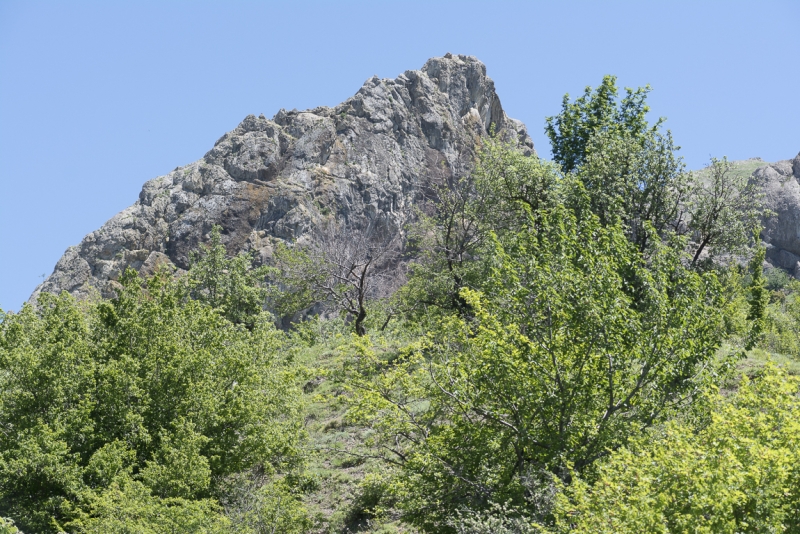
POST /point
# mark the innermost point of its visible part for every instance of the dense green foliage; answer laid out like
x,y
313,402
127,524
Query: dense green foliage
x,y
758,299
578,347
596,112
724,210
7,526
135,409
233,286
740,473
469,216
631,174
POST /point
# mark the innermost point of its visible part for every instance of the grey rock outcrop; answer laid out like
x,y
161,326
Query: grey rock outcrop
x,y
369,159
781,182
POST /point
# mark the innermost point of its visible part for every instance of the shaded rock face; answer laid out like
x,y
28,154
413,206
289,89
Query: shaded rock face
x,y
782,196
366,161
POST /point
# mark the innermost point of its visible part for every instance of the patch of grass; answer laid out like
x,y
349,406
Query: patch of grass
x,y
336,488
756,359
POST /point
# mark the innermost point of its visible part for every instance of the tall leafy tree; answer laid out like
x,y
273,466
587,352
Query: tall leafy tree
x,y
759,298
724,210
452,237
636,181
575,343
632,174
593,113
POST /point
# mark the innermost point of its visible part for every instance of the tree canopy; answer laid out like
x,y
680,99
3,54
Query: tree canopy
x,y
136,409
575,342
631,173
594,113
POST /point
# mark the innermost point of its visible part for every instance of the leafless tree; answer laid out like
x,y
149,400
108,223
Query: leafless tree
x,y
345,266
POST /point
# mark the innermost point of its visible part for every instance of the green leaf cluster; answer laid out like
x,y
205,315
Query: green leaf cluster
x,y
759,299
596,112
738,474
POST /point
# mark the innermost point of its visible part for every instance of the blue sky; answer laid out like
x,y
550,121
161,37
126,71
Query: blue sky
x,y
98,97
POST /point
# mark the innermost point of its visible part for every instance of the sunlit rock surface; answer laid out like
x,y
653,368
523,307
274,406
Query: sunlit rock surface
x,y
369,159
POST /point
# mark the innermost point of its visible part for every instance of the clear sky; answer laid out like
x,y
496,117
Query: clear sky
x,y
98,97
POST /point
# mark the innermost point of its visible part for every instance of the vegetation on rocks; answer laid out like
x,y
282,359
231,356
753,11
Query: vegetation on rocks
x,y
579,345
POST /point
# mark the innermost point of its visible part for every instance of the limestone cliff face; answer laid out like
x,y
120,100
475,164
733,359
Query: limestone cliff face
x,y
782,196
369,159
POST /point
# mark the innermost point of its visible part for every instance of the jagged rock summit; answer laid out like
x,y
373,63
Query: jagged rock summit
x,y
369,159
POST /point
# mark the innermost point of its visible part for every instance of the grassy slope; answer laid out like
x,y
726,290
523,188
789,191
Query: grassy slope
x,y
337,462
756,359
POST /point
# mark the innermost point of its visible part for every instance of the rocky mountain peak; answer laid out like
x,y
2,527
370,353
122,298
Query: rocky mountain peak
x,y
366,161
463,79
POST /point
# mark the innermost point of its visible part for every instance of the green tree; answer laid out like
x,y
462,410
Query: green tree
x,y
631,174
235,285
255,507
595,112
137,407
636,180
629,168
725,210
575,344
759,298
452,237
128,506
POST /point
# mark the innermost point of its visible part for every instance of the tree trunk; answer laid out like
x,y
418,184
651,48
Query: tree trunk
x,y
362,314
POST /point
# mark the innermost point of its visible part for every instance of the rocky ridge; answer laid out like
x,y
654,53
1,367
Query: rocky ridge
x,y
781,186
366,161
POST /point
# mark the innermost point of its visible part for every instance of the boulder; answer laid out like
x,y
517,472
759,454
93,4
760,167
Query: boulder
x,y
781,186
